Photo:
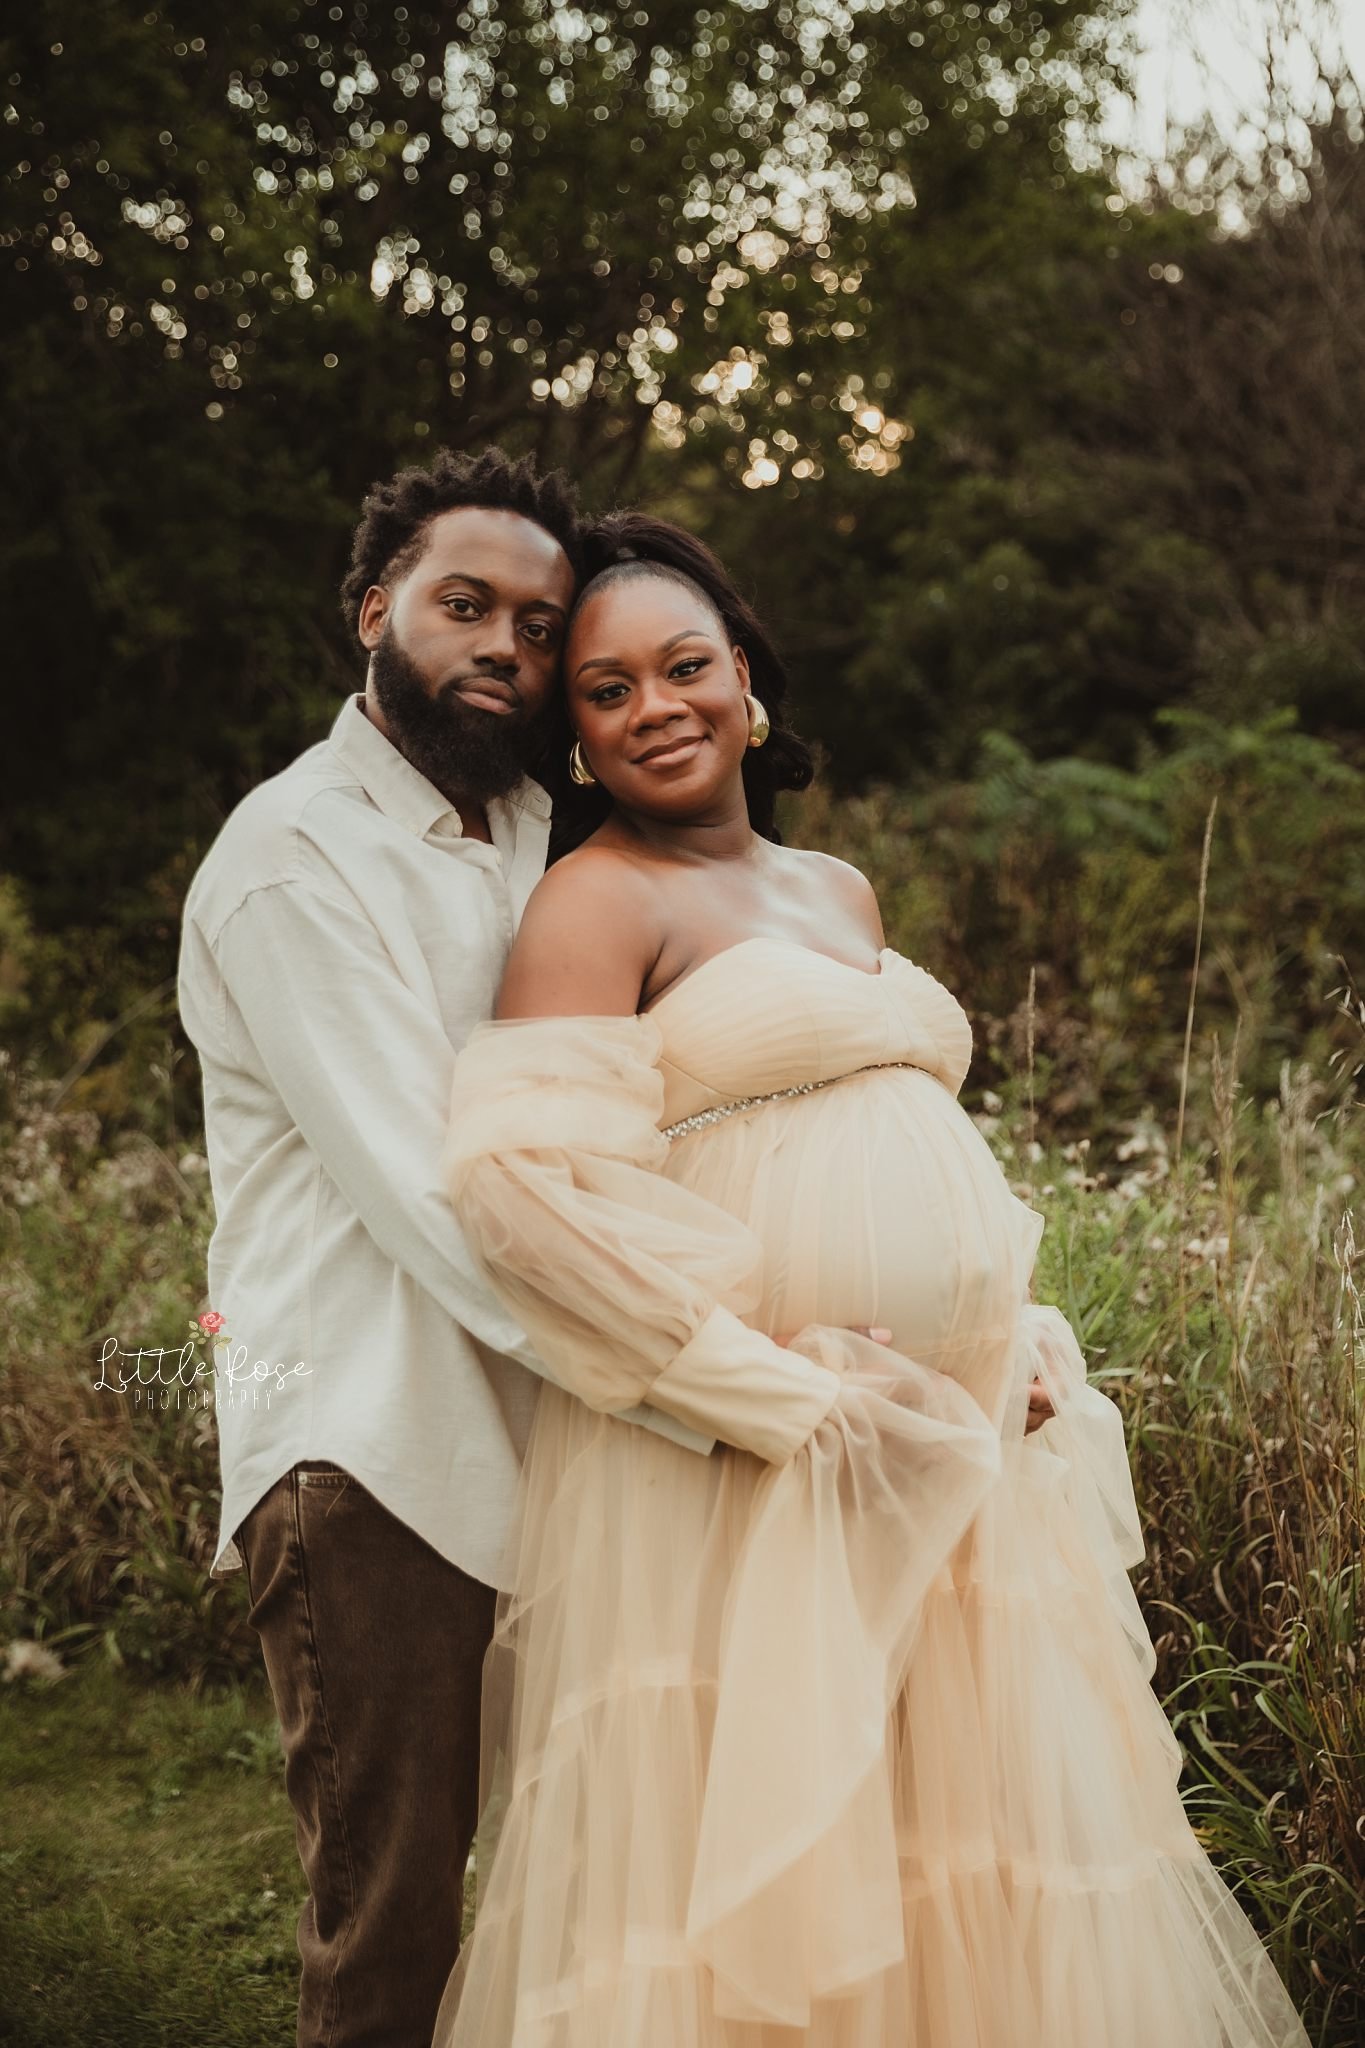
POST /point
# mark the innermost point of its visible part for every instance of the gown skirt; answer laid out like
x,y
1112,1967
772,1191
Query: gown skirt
x,y
844,1733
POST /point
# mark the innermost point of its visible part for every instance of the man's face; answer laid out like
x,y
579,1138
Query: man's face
x,y
465,647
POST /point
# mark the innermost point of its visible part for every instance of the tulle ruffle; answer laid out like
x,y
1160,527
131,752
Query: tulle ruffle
x,y
772,1753
697,1720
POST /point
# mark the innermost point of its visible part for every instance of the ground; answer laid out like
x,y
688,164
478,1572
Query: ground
x,y
149,1885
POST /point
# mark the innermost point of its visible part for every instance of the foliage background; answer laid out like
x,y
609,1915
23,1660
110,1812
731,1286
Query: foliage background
x,y
1047,469
1008,448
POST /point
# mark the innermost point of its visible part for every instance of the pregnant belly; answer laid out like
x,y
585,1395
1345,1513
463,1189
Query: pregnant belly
x,y
877,1201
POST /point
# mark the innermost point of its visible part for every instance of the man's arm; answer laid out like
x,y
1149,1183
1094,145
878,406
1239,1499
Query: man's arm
x,y
364,1068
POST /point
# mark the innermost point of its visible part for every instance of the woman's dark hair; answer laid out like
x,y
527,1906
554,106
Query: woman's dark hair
x,y
635,544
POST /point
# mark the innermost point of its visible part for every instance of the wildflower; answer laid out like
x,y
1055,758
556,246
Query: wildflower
x,y
25,1659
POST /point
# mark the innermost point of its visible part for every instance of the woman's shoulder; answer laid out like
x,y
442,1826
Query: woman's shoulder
x,y
587,937
598,870
836,881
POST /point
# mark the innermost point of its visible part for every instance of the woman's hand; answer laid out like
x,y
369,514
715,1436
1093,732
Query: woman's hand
x,y
875,1332
1040,1408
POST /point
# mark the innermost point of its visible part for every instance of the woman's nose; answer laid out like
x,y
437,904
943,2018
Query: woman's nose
x,y
655,704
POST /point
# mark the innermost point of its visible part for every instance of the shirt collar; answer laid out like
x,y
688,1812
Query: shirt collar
x,y
400,790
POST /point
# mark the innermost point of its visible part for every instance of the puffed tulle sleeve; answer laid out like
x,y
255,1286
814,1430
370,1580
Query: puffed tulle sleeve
x,y
633,1288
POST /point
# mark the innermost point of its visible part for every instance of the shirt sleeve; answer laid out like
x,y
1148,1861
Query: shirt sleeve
x,y
363,1067
634,1287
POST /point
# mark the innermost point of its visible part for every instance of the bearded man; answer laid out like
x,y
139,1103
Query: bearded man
x,y
345,933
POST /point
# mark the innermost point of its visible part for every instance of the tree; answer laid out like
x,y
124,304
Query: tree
x,y
252,264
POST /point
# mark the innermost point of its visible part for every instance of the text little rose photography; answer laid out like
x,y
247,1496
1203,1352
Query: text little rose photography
x,y
682,1025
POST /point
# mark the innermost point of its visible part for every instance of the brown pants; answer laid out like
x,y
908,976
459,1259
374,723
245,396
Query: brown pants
x,y
374,1648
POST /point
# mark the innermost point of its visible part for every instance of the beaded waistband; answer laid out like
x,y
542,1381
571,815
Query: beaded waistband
x,y
722,1110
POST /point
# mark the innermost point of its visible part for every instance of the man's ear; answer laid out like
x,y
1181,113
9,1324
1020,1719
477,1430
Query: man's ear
x,y
374,611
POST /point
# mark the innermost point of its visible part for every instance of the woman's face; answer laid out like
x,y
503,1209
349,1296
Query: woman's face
x,y
658,697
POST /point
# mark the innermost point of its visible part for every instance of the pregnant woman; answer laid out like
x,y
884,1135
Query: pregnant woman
x,y
842,1734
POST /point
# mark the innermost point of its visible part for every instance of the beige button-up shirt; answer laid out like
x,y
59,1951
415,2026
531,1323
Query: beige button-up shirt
x,y
341,940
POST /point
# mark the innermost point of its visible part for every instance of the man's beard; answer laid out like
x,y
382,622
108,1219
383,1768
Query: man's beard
x,y
461,748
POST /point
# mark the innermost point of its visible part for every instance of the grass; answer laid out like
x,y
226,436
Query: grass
x,y
149,1883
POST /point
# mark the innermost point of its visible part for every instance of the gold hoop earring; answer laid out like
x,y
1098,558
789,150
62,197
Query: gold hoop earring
x,y
760,725
579,768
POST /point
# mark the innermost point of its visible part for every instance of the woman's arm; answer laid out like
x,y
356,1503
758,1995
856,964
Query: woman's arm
x,y
632,1287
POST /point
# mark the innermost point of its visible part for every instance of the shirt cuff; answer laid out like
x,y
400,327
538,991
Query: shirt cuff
x,y
734,1383
667,1426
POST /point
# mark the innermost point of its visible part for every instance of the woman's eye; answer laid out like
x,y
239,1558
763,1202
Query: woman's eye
x,y
690,667
608,692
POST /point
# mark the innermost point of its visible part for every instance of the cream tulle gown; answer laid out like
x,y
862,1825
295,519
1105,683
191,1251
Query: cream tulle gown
x,y
844,1737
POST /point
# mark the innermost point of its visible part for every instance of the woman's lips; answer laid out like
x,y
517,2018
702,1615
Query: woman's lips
x,y
670,756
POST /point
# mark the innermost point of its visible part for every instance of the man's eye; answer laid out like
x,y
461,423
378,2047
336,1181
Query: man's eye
x,y
466,601
538,630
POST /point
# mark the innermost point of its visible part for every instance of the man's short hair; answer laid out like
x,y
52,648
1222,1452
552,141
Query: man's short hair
x,y
396,514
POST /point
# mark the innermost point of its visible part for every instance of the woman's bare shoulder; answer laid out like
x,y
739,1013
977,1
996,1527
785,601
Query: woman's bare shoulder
x,y
594,875
847,887
587,939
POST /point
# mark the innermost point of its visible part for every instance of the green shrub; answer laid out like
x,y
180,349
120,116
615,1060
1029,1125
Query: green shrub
x,y
1085,877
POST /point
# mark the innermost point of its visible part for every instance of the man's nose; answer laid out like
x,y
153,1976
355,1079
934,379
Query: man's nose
x,y
496,645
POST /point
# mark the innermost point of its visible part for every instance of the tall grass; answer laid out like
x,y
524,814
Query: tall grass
x,y
1226,1322
108,1501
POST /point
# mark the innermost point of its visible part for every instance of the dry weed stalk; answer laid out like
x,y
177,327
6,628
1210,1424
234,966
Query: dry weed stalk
x,y
1189,1039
